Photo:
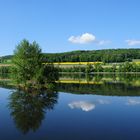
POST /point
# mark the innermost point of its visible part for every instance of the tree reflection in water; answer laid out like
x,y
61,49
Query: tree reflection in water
x,y
28,109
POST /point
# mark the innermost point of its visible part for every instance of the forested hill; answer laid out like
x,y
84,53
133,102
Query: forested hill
x,y
108,55
6,57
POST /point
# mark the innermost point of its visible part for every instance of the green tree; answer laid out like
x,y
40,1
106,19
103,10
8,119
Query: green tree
x,y
89,68
27,61
98,68
28,69
47,74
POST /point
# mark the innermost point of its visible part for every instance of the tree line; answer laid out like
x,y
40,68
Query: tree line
x,y
107,56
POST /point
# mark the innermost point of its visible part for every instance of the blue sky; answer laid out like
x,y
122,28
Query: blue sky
x,y
66,25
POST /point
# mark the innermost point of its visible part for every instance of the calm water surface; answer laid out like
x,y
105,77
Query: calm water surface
x,y
103,110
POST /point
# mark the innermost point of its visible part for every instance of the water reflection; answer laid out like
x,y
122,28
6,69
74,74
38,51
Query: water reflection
x,y
28,109
79,103
87,105
133,102
113,89
99,84
84,105
101,101
128,79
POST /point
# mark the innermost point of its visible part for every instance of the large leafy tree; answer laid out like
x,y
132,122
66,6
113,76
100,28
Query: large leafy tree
x,y
27,61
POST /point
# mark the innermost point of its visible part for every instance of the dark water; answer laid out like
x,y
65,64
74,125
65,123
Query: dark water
x,y
106,107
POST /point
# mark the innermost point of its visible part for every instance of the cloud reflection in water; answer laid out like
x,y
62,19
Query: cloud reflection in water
x,y
133,102
86,105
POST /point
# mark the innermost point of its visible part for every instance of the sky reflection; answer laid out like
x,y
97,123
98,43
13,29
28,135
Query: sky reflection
x,y
133,102
87,105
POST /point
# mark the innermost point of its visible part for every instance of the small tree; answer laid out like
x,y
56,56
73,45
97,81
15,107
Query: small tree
x,y
26,61
27,65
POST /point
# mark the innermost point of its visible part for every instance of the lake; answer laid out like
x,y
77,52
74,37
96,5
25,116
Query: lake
x,y
83,107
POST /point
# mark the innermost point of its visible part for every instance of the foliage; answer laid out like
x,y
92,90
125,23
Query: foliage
x,y
28,69
129,67
98,68
72,69
4,69
27,61
6,59
123,67
47,74
89,68
107,56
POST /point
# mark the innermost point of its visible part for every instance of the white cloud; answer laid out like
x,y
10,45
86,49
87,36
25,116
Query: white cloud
x,y
132,42
103,42
133,102
84,105
87,38
82,39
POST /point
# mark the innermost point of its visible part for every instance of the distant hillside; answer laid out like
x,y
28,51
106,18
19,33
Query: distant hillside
x,y
6,59
107,55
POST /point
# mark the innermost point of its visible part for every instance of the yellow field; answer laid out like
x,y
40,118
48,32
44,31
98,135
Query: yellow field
x,y
78,82
75,63
137,62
